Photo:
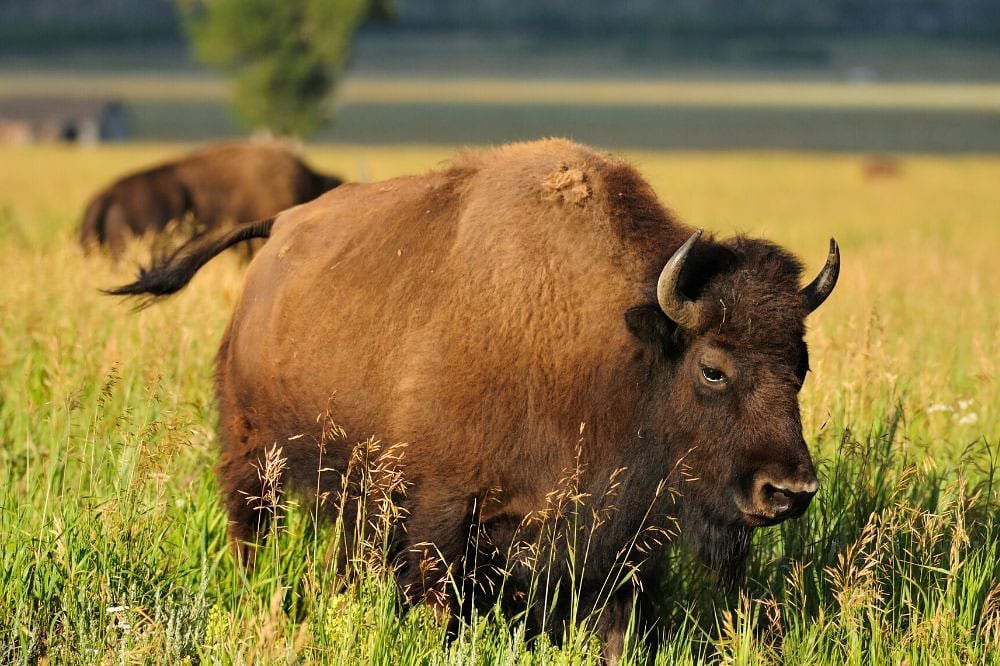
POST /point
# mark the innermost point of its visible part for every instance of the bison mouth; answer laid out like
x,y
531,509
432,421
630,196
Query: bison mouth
x,y
754,520
719,528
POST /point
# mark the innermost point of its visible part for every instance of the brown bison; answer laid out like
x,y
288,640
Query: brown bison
x,y
480,314
217,186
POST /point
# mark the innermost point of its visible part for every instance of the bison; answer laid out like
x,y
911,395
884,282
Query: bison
x,y
219,185
527,310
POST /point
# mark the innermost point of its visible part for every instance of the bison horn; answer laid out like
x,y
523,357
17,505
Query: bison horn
x,y
817,291
681,309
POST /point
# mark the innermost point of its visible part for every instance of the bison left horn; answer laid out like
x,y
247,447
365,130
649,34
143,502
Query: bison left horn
x,y
817,291
681,309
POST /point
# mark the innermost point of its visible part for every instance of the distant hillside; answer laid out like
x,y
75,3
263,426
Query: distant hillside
x,y
713,17
47,25
85,11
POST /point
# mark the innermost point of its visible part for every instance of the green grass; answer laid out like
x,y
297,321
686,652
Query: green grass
x,y
112,539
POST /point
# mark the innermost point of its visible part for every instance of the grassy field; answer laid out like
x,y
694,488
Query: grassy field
x,y
112,539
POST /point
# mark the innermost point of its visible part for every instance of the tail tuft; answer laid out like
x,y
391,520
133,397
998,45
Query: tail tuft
x,y
168,276
159,280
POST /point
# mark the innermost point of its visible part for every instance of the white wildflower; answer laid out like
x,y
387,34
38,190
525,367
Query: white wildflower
x,y
968,419
939,407
965,404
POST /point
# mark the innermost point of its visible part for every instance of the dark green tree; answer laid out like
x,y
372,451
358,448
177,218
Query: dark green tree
x,y
286,56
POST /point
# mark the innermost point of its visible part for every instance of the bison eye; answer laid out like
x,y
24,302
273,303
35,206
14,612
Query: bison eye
x,y
713,376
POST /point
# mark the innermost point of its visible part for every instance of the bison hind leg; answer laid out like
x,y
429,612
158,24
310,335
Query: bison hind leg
x,y
251,505
251,479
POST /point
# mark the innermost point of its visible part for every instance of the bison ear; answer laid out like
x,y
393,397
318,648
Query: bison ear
x,y
649,324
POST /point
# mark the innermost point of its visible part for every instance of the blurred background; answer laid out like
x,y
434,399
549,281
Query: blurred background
x,y
830,75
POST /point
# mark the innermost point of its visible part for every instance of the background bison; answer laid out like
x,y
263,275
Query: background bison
x,y
479,314
216,186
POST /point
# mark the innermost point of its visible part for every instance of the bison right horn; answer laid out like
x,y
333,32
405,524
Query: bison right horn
x,y
681,309
820,288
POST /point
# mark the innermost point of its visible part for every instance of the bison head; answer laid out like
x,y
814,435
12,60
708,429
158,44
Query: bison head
x,y
730,359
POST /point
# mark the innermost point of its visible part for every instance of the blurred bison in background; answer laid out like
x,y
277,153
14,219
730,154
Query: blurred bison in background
x,y
876,167
480,314
216,186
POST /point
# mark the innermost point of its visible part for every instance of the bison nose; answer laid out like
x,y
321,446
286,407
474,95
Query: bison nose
x,y
778,498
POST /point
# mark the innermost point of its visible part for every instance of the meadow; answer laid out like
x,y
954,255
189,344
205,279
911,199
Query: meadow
x,y
112,538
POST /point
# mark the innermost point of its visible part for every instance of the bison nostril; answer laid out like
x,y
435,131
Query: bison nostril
x,y
776,498
779,499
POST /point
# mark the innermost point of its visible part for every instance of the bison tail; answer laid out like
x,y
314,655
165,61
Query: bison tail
x,y
170,275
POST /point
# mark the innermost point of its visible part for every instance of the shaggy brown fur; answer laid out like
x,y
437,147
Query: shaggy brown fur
x,y
217,186
479,315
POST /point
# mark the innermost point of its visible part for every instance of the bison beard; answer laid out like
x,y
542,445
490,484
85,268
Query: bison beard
x,y
479,314
722,545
